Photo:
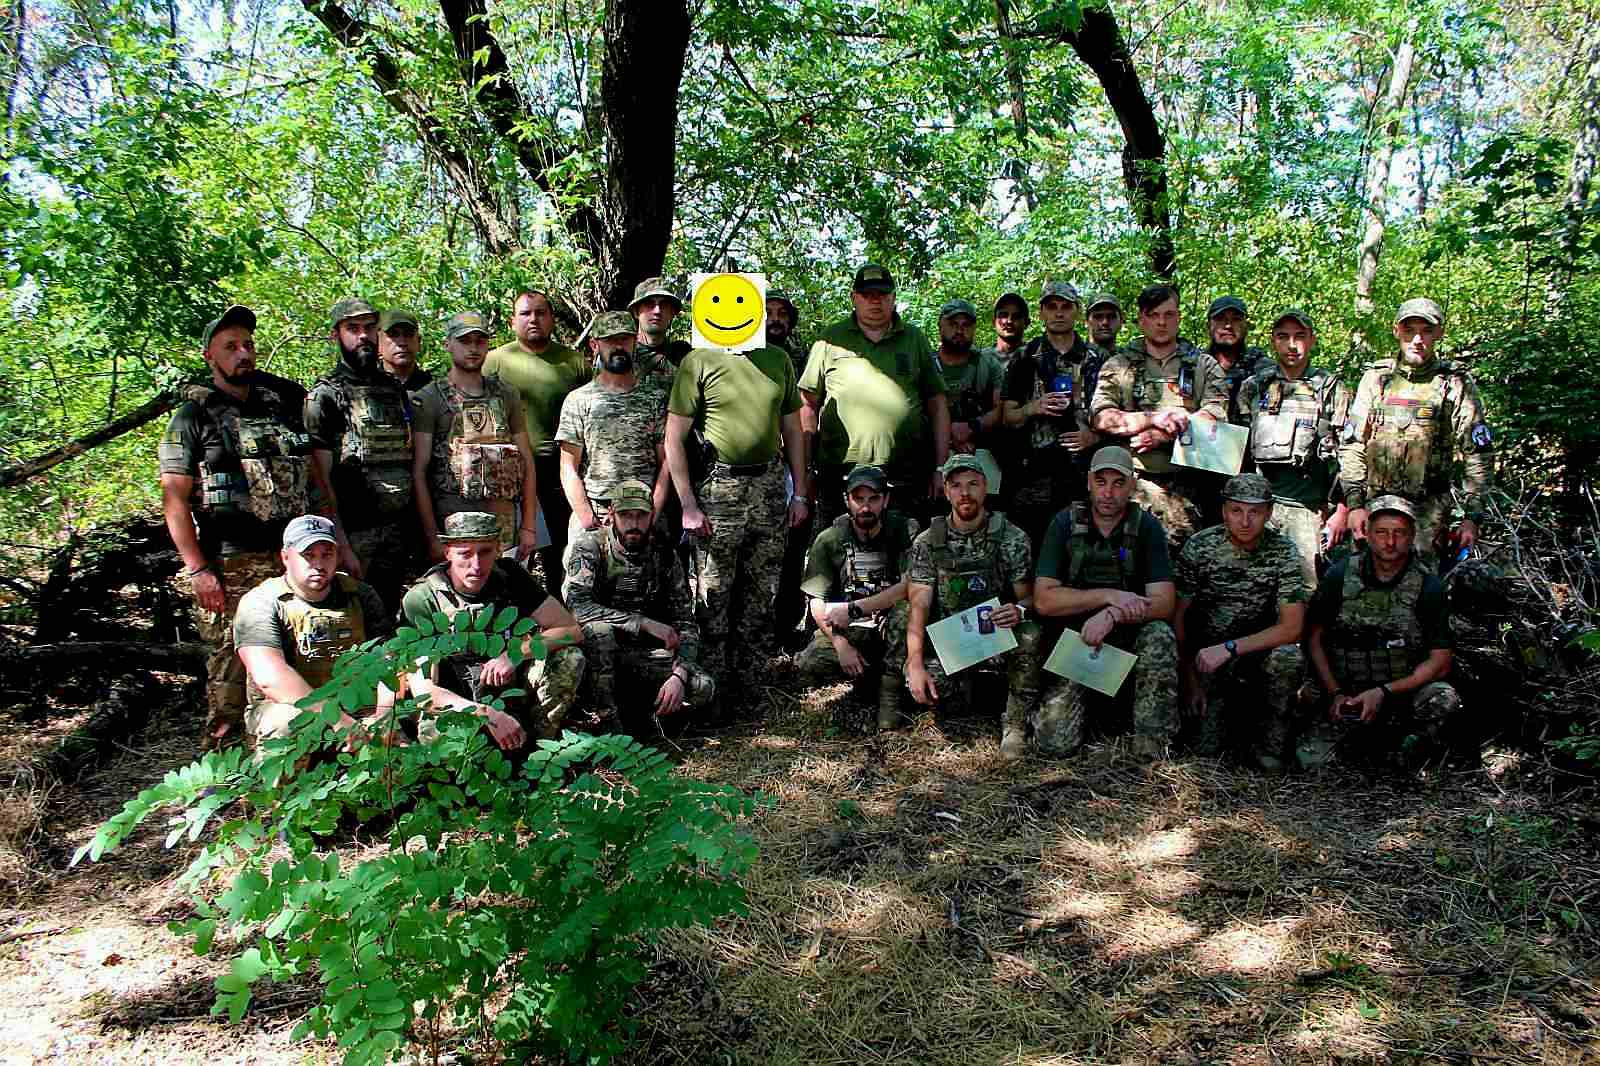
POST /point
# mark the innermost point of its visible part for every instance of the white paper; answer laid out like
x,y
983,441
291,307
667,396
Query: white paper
x,y
1103,669
960,643
1214,446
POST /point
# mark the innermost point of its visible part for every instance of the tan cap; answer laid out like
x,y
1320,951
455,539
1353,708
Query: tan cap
x,y
1112,458
632,495
1421,307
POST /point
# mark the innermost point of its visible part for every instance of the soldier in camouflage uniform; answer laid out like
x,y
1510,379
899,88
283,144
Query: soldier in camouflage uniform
x,y
1104,568
1241,610
655,306
1147,394
855,578
1414,417
960,561
1295,412
1103,312
626,586
477,579
1378,636
782,319
1228,323
235,467
972,380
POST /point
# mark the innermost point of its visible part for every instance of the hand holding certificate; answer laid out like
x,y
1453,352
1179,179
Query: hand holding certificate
x,y
1214,446
968,637
1103,669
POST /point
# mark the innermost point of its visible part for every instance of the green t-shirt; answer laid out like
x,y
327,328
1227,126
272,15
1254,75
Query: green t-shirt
x,y
972,385
543,381
737,399
872,395
876,564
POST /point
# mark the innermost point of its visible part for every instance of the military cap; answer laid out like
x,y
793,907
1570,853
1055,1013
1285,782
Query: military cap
x,y
1100,298
465,322
1061,290
873,278
1010,298
1393,504
1112,458
1247,488
783,298
301,533
1421,307
351,308
958,306
470,525
611,324
1226,303
235,315
867,474
649,289
396,316
959,462
632,495
1298,315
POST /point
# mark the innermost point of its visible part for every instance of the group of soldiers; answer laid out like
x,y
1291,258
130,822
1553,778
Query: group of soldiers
x,y
662,511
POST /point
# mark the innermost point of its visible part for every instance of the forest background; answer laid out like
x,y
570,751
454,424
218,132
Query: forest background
x,y
166,158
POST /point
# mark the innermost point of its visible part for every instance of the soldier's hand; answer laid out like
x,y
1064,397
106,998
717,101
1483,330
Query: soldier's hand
x,y
850,659
1172,420
838,615
1078,440
506,730
670,697
1055,404
527,542
589,520
1333,530
1130,606
935,485
1358,523
209,591
961,436
1195,700
1148,440
921,685
1098,628
349,563
695,523
799,511
1209,660
1368,702
1006,616
1467,533
668,636
497,671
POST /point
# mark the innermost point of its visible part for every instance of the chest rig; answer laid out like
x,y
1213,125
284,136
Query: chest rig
x,y
377,440
966,580
1293,420
630,584
1409,432
1154,390
258,466
1377,637
481,460
1107,563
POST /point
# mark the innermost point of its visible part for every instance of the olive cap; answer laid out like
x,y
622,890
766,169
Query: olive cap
x,y
354,307
396,316
235,315
959,462
1105,298
1298,315
1247,488
783,298
1112,458
1226,303
611,324
1010,298
958,306
1060,290
632,495
465,322
650,289
1421,307
1392,504
873,278
867,474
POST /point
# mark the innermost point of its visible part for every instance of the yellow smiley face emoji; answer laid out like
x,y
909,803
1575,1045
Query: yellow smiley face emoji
x,y
728,310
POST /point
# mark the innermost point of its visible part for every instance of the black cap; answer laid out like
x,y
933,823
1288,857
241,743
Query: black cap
x,y
873,278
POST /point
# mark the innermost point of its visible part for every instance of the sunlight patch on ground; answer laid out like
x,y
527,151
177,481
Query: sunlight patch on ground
x,y
1166,883
1249,948
1161,847
1347,1029
1145,932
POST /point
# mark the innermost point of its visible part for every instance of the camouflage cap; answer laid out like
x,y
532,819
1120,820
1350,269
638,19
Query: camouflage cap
x,y
1103,298
958,306
1247,488
301,533
396,316
867,474
611,324
650,289
871,277
959,462
470,525
1059,290
354,307
783,298
1112,458
235,315
632,495
1422,308
1226,303
1394,505
1010,298
1298,315
465,322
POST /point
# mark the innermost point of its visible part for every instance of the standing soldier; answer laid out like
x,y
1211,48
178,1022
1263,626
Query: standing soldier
x,y
544,372
360,422
626,586
472,446
782,318
1413,418
855,577
1147,394
399,344
235,468
959,562
972,380
1228,322
1104,313
1295,412
655,306
1010,328
1241,610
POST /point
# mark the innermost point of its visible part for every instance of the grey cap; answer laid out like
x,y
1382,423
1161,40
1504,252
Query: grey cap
x,y
871,277
1010,298
1112,458
470,525
958,306
1421,307
1247,488
959,462
301,533
1061,290
1298,315
396,316
1394,505
354,307
465,322
611,324
651,288
1100,298
235,315
632,495
1226,303
867,474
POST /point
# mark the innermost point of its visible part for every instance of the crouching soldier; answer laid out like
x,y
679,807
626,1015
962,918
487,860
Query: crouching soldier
x,y
1380,644
627,588
475,578
855,582
291,629
958,562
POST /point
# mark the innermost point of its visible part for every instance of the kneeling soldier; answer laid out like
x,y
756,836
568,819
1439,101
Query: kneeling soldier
x,y
1104,566
291,629
627,588
854,579
1379,640
1241,609
476,578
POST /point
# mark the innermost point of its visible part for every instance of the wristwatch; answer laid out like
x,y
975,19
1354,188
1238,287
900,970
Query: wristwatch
x,y
1233,649
854,611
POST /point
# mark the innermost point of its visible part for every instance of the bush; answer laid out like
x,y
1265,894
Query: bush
x,y
509,904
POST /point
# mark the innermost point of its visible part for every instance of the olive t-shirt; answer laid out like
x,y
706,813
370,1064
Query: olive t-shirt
x,y
258,623
436,409
1150,562
737,399
543,381
971,386
889,556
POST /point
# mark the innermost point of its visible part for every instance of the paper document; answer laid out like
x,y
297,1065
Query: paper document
x,y
991,469
1214,446
961,640
1103,669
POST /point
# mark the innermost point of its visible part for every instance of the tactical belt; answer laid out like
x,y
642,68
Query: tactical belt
x,y
741,470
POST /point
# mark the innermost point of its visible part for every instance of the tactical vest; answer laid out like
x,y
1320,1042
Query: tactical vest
x,y
869,570
966,582
1243,369
263,468
1108,563
1053,372
1293,420
482,461
377,439
1377,637
1152,393
1408,432
629,585
321,634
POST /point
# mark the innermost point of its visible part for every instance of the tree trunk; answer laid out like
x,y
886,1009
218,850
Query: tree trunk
x,y
1585,153
145,412
1378,175
1018,103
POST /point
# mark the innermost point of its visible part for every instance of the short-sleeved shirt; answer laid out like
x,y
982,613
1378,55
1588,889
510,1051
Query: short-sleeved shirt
x,y
1032,374
1235,593
328,413
1015,556
542,380
873,395
1433,607
970,387
880,562
620,433
1149,561
435,410
196,436
737,400
259,622
1133,380
509,585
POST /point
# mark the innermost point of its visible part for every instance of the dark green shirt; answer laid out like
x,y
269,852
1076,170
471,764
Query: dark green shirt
x,y
738,399
877,564
1433,607
1102,568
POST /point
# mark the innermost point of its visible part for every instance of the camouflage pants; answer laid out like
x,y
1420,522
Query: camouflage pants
x,y
389,558
1172,499
631,669
736,569
819,663
1304,527
1059,724
551,688
225,697
1433,527
1250,705
1423,714
1021,665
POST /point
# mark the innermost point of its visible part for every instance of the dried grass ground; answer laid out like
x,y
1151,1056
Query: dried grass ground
x,y
917,901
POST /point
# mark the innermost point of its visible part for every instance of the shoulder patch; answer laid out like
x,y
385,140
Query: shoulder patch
x,y
1481,435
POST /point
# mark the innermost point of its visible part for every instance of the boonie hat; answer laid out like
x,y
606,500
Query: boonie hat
x,y
783,298
1421,307
1247,488
235,315
395,316
351,308
1394,504
867,474
1112,458
1102,298
955,307
465,322
649,289
1298,315
1226,303
470,525
959,462
301,533
632,495
873,278
1062,290
611,324
1010,298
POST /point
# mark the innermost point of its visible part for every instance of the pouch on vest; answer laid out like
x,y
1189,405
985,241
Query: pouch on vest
x,y
379,439
1397,461
271,483
483,461
1376,637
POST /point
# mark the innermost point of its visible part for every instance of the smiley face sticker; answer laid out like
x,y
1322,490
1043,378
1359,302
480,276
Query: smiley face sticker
x,y
728,311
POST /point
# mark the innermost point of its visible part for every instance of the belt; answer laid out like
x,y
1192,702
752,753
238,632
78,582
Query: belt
x,y
741,470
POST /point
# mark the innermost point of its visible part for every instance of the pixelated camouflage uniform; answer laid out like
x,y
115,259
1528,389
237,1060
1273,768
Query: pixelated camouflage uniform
x,y
621,435
1251,362
612,593
1234,593
1407,429
737,568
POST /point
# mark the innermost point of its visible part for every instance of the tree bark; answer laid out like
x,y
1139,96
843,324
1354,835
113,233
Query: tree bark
x,y
145,412
1377,198
1585,154
1018,104
188,658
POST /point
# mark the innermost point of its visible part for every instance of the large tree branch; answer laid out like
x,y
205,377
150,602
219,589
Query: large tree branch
x,y
148,411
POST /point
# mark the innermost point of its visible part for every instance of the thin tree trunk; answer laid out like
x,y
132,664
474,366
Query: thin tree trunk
x,y
1585,154
148,411
1378,177
1018,103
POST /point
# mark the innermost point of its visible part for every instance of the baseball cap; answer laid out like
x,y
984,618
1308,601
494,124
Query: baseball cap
x,y
1394,504
959,462
867,474
351,308
1298,315
465,322
632,495
1061,290
1112,458
649,289
1421,307
1010,298
958,307
873,278
235,315
1102,298
1226,303
1247,488
470,525
301,533
395,316
611,324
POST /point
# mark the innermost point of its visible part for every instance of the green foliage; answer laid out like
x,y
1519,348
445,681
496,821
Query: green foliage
x,y
511,902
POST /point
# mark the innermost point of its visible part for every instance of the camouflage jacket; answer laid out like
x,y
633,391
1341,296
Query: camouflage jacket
x,y
1233,593
605,584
